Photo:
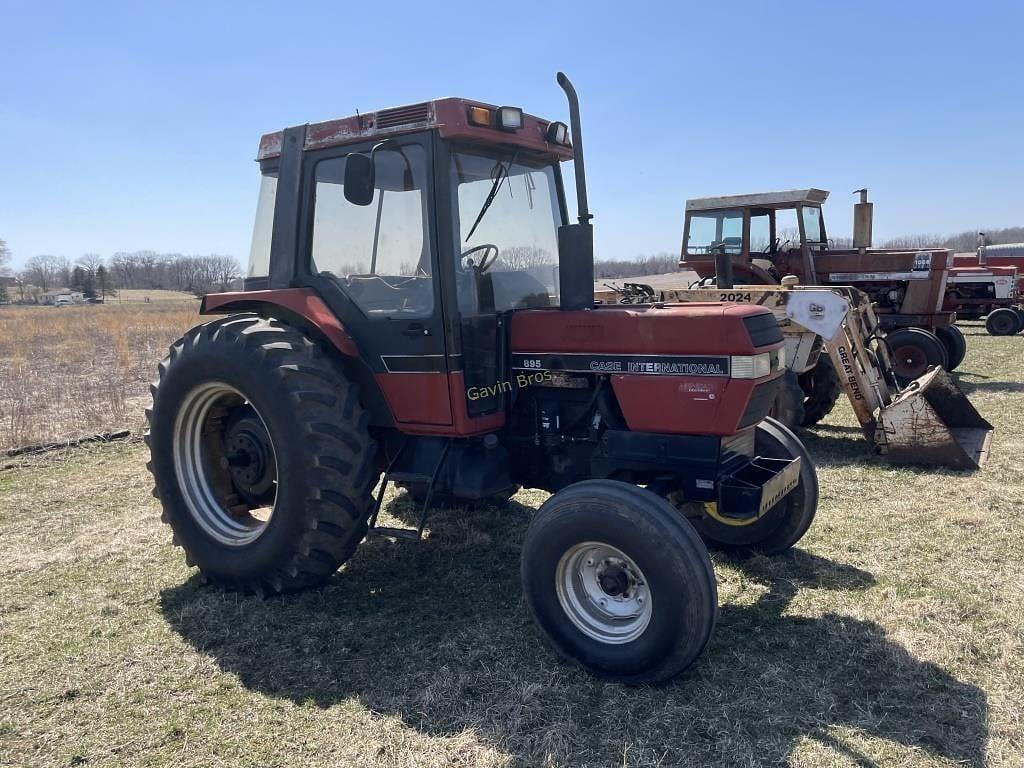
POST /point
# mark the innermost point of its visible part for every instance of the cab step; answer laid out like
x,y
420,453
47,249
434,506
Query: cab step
x,y
393,475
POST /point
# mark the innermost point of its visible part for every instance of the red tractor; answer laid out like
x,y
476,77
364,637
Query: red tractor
x,y
989,282
419,310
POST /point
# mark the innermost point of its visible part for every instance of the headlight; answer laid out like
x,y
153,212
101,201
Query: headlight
x,y
757,366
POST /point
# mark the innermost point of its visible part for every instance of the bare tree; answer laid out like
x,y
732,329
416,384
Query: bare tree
x,y
44,271
90,262
522,257
5,257
224,270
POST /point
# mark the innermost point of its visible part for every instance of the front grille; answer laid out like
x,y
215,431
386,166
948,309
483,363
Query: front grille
x,y
414,113
763,329
760,403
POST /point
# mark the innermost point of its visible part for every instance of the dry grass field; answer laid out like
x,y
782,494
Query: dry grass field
x,y
66,372
892,636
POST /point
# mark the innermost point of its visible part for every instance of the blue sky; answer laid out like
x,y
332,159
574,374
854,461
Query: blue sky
x,y
133,126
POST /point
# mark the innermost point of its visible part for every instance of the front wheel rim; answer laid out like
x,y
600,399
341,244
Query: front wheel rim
x,y
603,592
203,467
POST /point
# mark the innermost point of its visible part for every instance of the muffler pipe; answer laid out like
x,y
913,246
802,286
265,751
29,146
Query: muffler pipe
x,y
576,241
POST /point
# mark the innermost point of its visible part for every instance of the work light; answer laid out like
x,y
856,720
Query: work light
x,y
510,118
558,133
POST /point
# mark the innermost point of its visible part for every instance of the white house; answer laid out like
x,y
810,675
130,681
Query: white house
x,y
61,297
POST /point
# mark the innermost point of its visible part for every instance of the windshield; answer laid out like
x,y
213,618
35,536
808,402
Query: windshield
x,y
507,219
717,232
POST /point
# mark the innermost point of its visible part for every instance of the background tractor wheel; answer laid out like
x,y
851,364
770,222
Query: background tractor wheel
x,y
789,402
821,388
1003,322
783,525
618,581
418,491
914,351
955,343
260,455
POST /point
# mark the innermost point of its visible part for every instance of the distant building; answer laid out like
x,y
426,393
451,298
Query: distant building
x,y
61,297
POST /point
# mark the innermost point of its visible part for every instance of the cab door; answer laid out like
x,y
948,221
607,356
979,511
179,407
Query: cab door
x,y
376,264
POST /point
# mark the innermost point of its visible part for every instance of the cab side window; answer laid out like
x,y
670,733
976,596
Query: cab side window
x,y
379,253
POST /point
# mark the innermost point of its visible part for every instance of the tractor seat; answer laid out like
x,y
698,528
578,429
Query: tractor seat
x,y
518,290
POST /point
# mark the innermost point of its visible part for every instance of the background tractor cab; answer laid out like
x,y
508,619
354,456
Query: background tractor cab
x,y
773,234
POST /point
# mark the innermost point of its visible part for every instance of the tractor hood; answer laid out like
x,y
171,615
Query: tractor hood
x,y
707,329
704,369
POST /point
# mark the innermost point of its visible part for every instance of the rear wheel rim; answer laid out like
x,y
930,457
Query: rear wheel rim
x,y
203,466
603,592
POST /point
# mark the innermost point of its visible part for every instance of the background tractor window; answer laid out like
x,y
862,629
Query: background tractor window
x,y
812,225
760,232
380,252
712,233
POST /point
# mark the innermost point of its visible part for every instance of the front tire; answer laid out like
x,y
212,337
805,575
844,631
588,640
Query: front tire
x,y
783,525
260,455
821,388
619,582
788,407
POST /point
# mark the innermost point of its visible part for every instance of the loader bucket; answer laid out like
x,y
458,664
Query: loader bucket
x,y
932,423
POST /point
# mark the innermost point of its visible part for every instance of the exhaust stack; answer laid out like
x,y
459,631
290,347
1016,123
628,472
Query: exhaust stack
x,y
863,213
576,241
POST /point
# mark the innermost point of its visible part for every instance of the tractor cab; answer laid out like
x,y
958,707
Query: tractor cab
x,y
421,228
764,236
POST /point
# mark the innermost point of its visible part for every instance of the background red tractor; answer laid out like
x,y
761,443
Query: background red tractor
x,y
769,235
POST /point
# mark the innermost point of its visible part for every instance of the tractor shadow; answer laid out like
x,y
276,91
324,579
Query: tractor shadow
x,y
839,446
437,634
977,382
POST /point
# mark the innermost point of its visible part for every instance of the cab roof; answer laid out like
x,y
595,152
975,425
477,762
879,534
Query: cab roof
x,y
787,199
449,116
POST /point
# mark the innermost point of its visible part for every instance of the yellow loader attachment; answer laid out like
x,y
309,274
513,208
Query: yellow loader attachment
x,y
930,422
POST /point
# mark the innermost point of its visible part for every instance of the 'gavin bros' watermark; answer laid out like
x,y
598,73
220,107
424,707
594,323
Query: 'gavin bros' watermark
x,y
521,380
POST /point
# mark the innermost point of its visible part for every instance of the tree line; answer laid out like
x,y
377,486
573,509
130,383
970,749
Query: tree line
x,y
96,277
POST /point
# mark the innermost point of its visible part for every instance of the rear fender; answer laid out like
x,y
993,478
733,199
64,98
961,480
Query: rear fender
x,y
302,308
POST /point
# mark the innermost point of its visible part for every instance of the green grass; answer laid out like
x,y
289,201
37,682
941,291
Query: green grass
x,y
891,636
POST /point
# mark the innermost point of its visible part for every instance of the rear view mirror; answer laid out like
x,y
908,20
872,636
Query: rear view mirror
x,y
359,179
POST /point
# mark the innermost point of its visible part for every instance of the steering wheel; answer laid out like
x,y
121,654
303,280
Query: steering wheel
x,y
487,260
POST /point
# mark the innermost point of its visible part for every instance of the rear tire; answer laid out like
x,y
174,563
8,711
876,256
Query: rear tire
x,y
619,582
788,407
913,352
822,389
1003,322
955,343
783,525
247,370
